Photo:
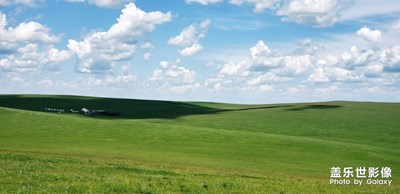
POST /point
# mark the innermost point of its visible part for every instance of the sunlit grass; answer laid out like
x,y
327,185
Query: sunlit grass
x,y
192,147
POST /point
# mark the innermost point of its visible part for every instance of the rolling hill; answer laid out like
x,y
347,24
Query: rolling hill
x,y
195,147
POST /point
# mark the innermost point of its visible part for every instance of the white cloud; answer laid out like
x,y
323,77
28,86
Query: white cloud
x,y
318,76
125,77
326,91
362,64
311,12
307,46
190,37
122,79
147,56
75,0
100,50
239,23
259,50
367,8
262,68
216,87
173,77
292,90
25,32
267,77
3,21
204,2
266,88
104,3
149,53
261,58
46,83
308,12
294,65
30,3
147,45
188,51
318,13
373,71
109,3
28,47
184,88
339,74
259,5
390,57
369,35
233,69
32,58
187,37
55,55
396,25
357,57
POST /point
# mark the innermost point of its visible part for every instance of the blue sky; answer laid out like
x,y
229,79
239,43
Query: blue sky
x,y
241,51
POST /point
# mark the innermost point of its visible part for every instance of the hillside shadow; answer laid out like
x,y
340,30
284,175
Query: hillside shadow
x,y
314,106
123,108
256,108
128,108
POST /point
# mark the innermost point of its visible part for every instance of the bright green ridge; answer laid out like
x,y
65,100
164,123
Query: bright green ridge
x,y
194,147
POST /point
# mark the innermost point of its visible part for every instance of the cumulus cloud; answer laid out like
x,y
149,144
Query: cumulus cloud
x,y
266,88
190,37
191,50
326,91
340,74
31,58
294,65
390,57
311,12
261,58
204,2
98,51
25,32
369,35
265,67
46,83
30,3
369,8
123,78
104,3
259,5
259,50
319,13
260,69
307,12
356,57
373,71
109,3
396,25
172,77
28,47
235,69
307,46
318,76
75,0
149,50
267,78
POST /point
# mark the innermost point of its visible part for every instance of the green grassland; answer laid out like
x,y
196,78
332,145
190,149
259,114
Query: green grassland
x,y
194,147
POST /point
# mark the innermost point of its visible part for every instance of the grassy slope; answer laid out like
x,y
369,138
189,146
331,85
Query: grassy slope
x,y
193,147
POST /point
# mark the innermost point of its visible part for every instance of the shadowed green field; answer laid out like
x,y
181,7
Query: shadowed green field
x,y
160,146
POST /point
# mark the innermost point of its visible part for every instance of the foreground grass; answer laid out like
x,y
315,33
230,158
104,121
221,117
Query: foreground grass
x,y
156,146
23,172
